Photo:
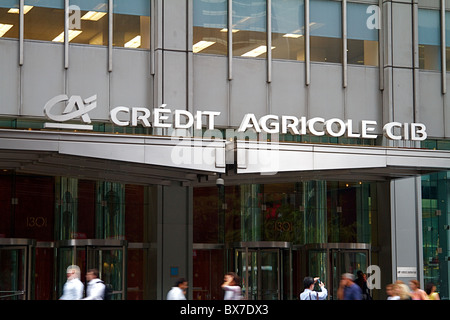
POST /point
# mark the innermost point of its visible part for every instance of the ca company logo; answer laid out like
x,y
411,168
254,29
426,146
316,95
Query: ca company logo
x,y
75,107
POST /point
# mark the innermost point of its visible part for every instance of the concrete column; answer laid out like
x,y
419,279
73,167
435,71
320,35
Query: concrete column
x,y
174,238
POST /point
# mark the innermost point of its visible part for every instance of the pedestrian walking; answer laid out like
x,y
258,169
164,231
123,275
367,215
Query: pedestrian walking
x,y
430,290
231,286
178,292
73,288
361,281
348,289
95,288
309,293
416,292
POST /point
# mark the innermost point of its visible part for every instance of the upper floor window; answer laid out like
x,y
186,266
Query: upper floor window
x,y
429,39
362,37
288,29
88,21
210,26
131,24
9,19
326,31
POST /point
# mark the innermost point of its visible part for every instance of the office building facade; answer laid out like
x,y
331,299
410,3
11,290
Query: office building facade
x,y
160,139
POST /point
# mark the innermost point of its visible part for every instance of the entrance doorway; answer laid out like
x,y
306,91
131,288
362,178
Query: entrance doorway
x,y
16,265
107,256
265,269
330,260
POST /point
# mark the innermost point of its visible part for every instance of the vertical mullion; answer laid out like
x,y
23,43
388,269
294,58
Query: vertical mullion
x,y
344,43
269,39
110,35
307,46
21,29
66,34
230,39
443,50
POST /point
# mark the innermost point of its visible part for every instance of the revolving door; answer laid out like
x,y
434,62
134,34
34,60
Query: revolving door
x,y
107,256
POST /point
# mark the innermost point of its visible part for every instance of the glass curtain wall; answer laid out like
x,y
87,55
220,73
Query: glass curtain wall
x,y
131,24
9,19
288,29
210,27
362,41
87,22
429,39
301,213
249,26
435,224
326,31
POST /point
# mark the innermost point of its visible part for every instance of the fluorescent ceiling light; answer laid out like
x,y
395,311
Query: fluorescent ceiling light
x,y
93,15
16,10
256,52
226,30
201,45
292,35
4,28
133,43
72,34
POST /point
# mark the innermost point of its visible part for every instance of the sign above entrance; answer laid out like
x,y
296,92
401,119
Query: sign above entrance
x,y
163,117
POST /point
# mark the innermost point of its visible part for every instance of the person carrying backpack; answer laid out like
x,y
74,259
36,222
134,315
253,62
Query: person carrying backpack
x,y
96,287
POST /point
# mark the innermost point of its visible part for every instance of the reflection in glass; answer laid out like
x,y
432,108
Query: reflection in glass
x,y
9,19
429,40
88,22
210,27
362,42
288,29
249,28
131,24
326,31
301,213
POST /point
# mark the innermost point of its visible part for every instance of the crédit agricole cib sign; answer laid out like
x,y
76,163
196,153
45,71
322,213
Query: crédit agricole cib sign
x,y
165,117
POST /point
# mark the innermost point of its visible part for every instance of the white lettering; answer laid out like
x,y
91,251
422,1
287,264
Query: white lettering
x,y
115,120
158,117
245,124
365,129
388,130
310,124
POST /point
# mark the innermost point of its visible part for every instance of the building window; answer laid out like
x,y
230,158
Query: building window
x,y
429,40
326,31
43,20
362,42
131,24
288,29
9,19
249,28
88,22
447,39
210,27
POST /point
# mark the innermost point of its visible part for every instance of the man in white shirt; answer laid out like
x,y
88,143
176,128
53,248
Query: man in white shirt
x,y
95,288
178,292
73,288
309,294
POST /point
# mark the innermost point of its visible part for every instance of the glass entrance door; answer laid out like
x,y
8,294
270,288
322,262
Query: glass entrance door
x,y
107,256
265,270
16,261
330,260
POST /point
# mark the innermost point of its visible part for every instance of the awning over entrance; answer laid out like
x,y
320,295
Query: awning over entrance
x,y
143,159
321,161
125,158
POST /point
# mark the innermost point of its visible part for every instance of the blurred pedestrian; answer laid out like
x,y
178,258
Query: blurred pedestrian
x,y
309,293
73,288
95,288
348,289
361,281
231,286
178,292
403,290
416,292
392,292
430,290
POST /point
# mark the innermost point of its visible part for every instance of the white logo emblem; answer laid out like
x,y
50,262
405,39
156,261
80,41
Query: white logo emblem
x,y
76,107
